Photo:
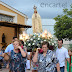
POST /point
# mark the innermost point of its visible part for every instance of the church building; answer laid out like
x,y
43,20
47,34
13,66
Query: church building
x,y
12,23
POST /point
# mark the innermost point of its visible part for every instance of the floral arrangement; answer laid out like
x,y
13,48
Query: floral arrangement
x,y
36,40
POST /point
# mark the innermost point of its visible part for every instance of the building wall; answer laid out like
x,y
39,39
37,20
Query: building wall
x,y
20,19
9,33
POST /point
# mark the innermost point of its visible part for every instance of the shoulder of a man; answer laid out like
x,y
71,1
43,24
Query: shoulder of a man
x,y
56,49
8,47
64,49
10,44
66,52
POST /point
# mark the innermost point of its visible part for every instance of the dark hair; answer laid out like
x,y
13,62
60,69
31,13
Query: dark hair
x,y
22,42
45,43
17,41
14,37
51,47
60,40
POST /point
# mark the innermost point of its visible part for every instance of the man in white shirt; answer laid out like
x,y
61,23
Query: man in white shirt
x,y
62,55
10,46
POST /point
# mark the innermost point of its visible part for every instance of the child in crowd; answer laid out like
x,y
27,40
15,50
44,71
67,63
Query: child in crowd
x,y
1,58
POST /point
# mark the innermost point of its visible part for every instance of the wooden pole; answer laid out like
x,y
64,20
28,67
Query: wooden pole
x,y
15,31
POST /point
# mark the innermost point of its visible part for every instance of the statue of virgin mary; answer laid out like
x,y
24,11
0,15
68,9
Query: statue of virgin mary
x,y
36,22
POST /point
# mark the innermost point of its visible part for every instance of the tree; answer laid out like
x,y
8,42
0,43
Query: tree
x,y
63,25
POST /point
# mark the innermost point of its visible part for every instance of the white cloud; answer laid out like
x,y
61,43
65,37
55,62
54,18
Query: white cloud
x,y
46,8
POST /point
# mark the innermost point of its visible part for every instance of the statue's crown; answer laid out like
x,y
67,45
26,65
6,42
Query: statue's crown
x,y
35,9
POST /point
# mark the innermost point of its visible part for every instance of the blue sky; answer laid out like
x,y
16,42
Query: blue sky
x,y
46,8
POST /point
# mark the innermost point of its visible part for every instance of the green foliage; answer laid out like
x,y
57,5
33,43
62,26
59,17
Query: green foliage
x,y
63,25
70,47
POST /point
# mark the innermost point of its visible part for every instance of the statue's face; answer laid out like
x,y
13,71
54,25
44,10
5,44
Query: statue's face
x,y
35,11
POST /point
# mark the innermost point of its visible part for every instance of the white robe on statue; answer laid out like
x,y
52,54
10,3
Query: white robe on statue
x,y
36,23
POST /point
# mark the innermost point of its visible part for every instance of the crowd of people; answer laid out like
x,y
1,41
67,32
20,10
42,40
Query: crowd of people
x,y
17,58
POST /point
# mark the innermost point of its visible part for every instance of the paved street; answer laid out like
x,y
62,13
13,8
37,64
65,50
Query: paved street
x,y
7,70
4,70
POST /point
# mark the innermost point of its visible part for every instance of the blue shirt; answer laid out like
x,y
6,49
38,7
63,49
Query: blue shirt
x,y
1,56
9,48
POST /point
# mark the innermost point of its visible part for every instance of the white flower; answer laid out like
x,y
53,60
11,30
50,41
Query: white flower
x,y
52,43
33,44
38,38
24,46
27,40
44,40
56,45
51,39
24,42
34,40
35,33
33,36
49,42
29,44
31,39
37,44
41,41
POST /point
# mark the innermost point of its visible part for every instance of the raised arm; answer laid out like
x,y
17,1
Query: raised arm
x,y
22,51
28,56
6,56
35,58
67,56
